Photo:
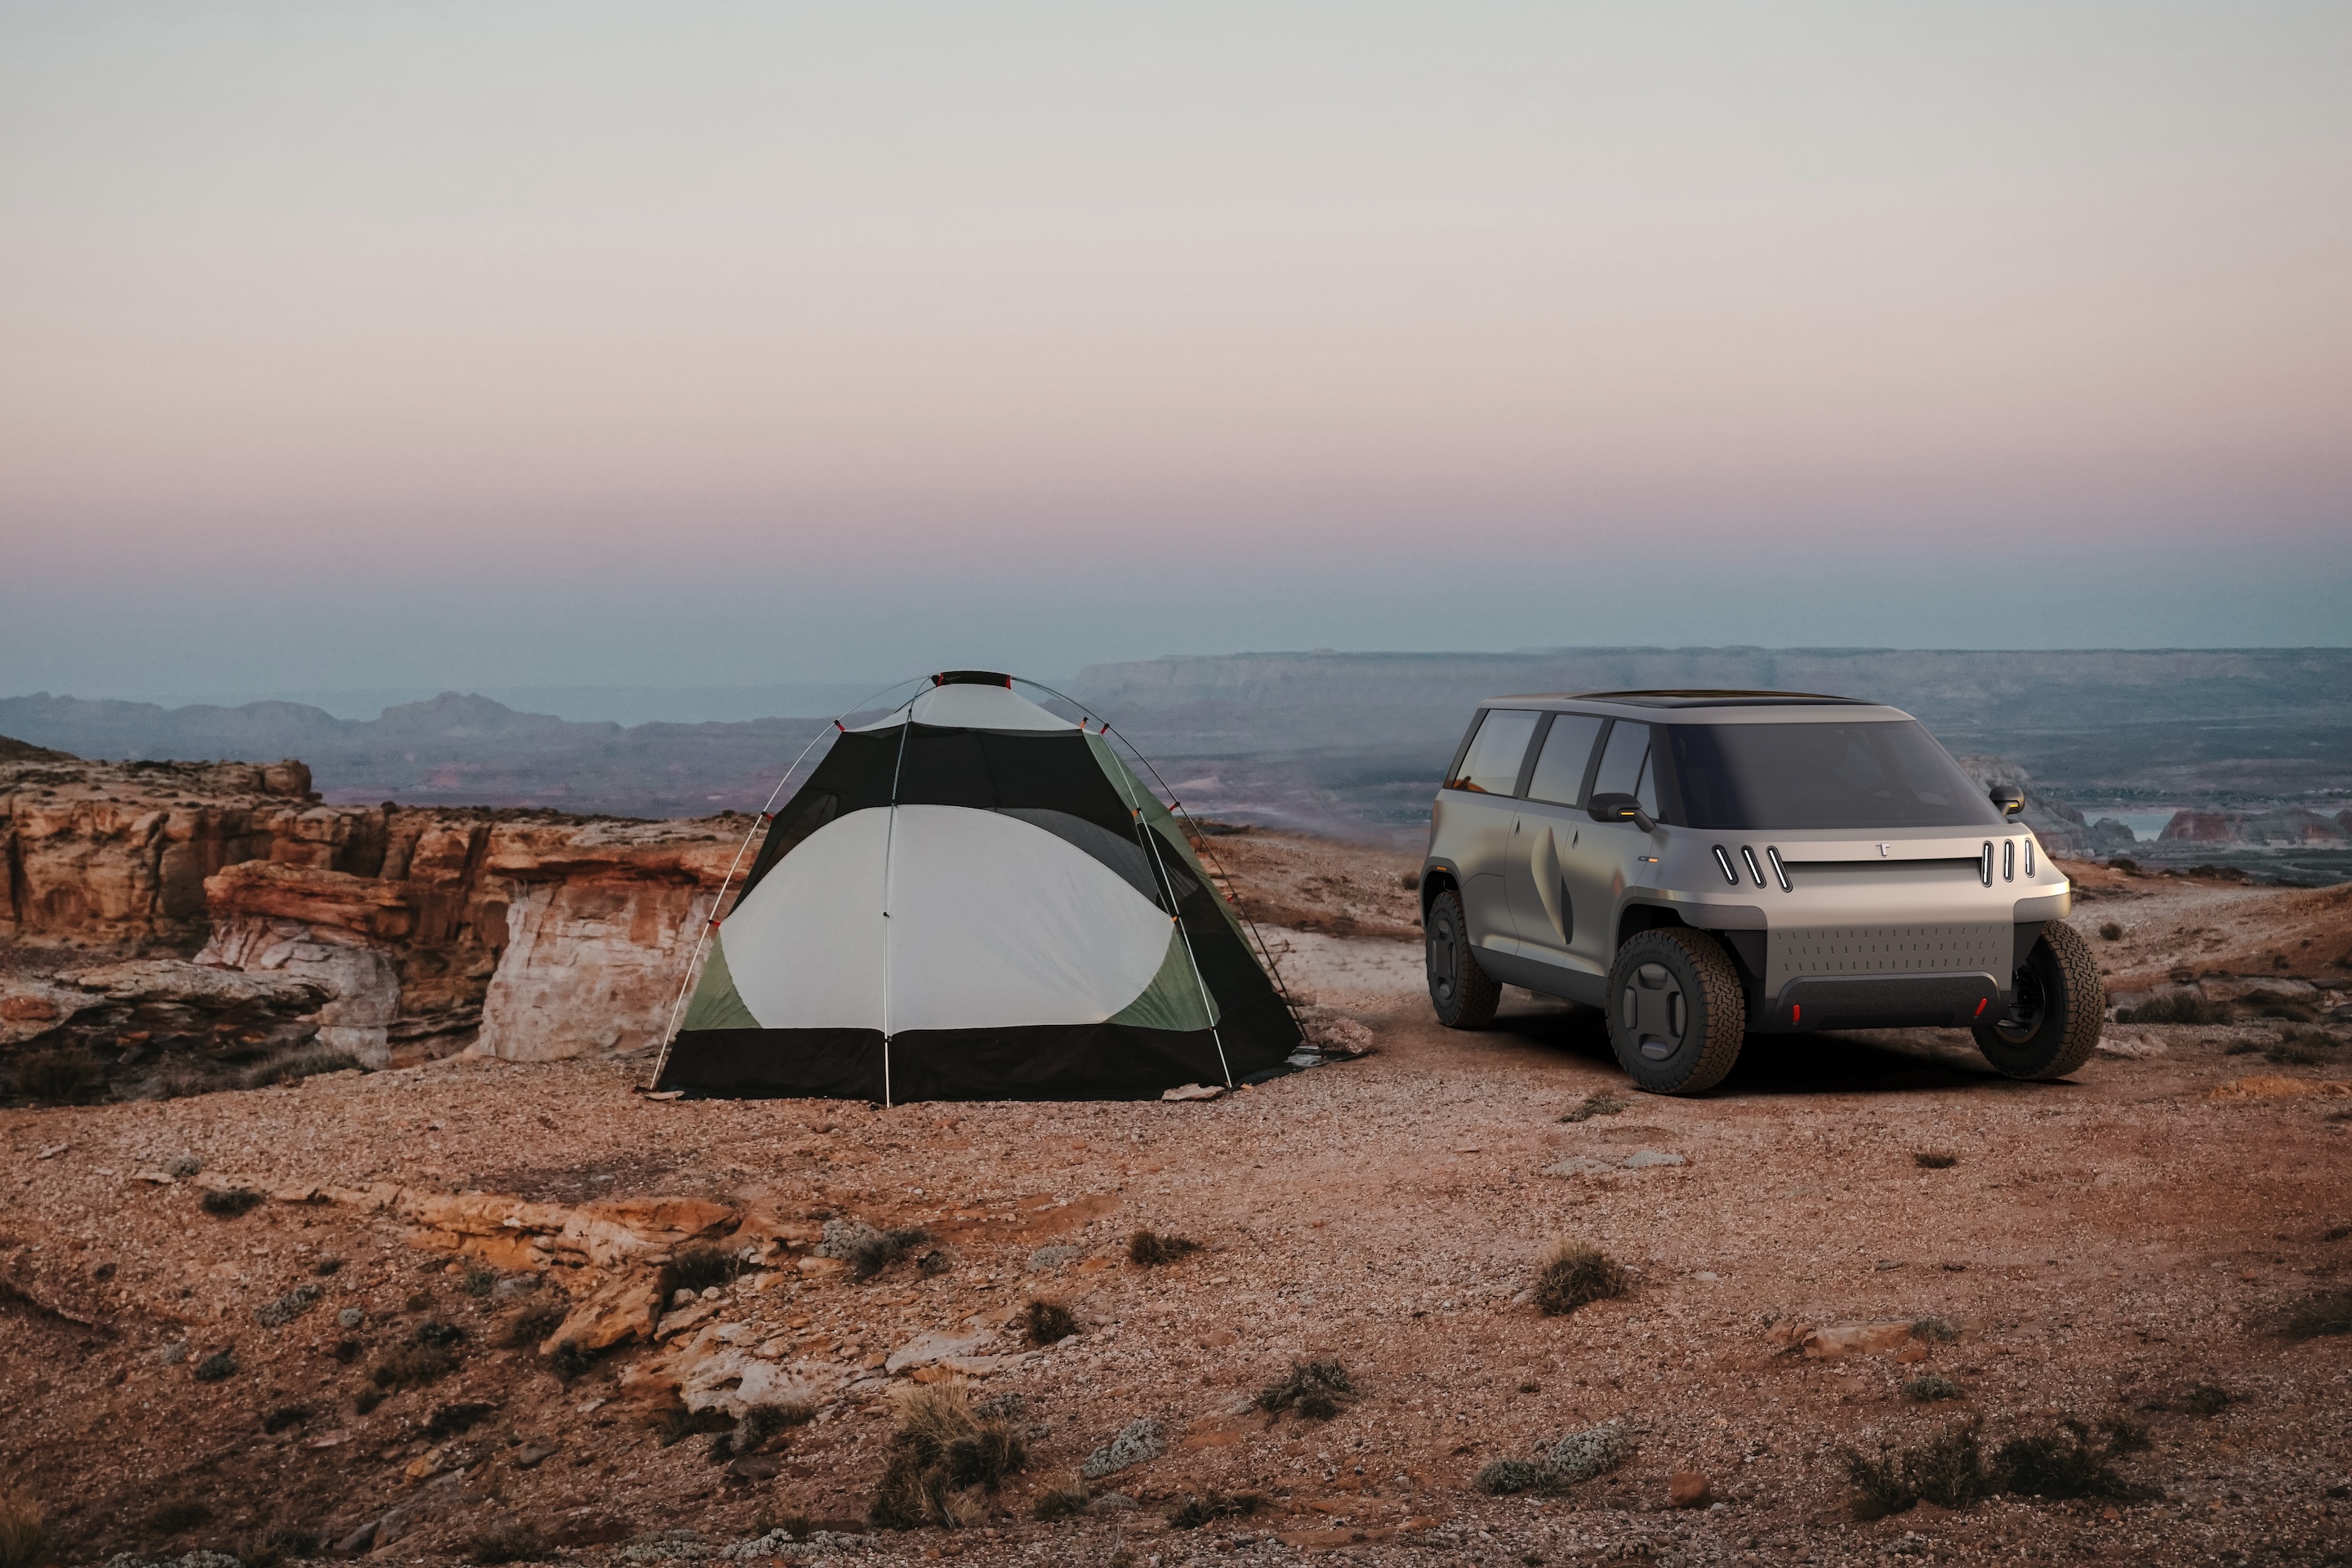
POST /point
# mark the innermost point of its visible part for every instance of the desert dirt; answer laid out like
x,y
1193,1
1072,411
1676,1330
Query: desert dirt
x,y
2099,1251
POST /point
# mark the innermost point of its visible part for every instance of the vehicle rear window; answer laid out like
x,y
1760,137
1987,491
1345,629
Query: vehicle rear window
x,y
1559,766
1491,765
1884,773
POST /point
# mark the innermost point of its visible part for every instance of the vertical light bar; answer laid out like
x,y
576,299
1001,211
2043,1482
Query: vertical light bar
x,y
1984,864
1754,869
1778,869
2009,859
1722,860
2029,858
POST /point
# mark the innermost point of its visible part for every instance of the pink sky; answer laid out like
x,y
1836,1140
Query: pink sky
x,y
337,318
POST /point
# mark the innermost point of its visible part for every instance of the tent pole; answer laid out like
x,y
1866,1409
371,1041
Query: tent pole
x,y
890,867
694,960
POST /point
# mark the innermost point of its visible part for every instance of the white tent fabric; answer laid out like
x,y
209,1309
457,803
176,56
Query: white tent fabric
x,y
968,707
993,922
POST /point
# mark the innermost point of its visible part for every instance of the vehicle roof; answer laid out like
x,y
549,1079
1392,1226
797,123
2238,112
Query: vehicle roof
x,y
1714,707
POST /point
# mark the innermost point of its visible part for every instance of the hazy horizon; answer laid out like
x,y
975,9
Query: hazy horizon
x,y
364,348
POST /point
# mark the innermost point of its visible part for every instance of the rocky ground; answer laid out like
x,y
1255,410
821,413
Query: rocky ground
x,y
365,1355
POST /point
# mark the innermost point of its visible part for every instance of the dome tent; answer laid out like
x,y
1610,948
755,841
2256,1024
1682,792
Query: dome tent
x,y
975,898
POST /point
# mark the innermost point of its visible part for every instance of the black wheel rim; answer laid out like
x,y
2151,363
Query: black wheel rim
x,y
1444,954
2029,1000
1653,1012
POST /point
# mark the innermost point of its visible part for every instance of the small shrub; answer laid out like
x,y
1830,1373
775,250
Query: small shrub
x,y
1926,1388
793,1526
1047,1323
1509,1478
451,1419
698,1268
413,1366
1935,1160
1595,1451
2182,1006
1151,1248
347,1350
183,1166
506,1544
531,1326
2327,1313
1199,1511
285,1416
227,1202
2061,1464
2337,1233
175,1515
1938,1329
67,1077
1574,1275
296,1065
217,1367
367,1399
872,1254
2110,930
943,1450
1948,1470
1317,1390
2241,1049
418,1301
1600,1102
761,1423
326,1266
677,1423
569,1361
2205,1399
480,1282
439,1335
24,1533
1061,1502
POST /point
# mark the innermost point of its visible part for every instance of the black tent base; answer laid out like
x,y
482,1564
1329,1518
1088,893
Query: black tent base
x,y
1056,1061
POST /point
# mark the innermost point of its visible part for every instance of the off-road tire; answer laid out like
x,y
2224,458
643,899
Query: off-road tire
x,y
2060,1007
1676,1013
1464,995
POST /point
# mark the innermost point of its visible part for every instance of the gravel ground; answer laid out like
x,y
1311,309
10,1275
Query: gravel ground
x,y
2100,1249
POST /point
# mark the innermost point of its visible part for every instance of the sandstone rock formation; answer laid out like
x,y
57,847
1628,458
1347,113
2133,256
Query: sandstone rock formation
x,y
529,935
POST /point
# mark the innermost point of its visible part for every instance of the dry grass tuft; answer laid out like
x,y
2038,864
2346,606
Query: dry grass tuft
x,y
507,1543
1600,1102
227,1202
174,1515
1574,1275
217,1367
296,1065
698,1268
2110,930
2329,1313
1935,1160
2176,1007
761,1424
1048,1322
1199,1511
1317,1390
412,1366
1061,1502
1928,1387
451,1419
1952,1471
531,1326
1151,1248
24,1533
943,1450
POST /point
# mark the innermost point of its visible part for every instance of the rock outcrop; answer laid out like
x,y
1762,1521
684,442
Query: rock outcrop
x,y
524,935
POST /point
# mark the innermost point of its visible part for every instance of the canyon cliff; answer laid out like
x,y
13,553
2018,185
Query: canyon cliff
x,y
412,933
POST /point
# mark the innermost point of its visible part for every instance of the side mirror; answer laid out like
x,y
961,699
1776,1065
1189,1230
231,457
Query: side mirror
x,y
2010,798
1618,807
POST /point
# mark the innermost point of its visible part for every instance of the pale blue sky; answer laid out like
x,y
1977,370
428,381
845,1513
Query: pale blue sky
x,y
385,345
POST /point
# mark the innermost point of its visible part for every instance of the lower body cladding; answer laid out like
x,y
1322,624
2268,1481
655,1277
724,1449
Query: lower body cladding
x,y
1952,974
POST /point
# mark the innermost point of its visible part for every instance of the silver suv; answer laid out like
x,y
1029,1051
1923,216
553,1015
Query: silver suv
x,y
1706,864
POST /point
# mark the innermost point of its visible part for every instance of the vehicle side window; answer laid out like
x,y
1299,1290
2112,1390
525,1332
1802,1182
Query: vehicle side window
x,y
1625,766
1491,765
1559,767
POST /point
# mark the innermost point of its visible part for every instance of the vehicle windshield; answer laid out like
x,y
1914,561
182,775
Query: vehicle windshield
x,y
1886,774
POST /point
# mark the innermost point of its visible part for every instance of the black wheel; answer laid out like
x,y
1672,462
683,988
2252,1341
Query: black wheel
x,y
2058,1007
1465,995
1676,1013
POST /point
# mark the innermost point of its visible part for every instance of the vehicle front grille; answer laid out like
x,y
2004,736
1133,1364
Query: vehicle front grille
x,y
1963,947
